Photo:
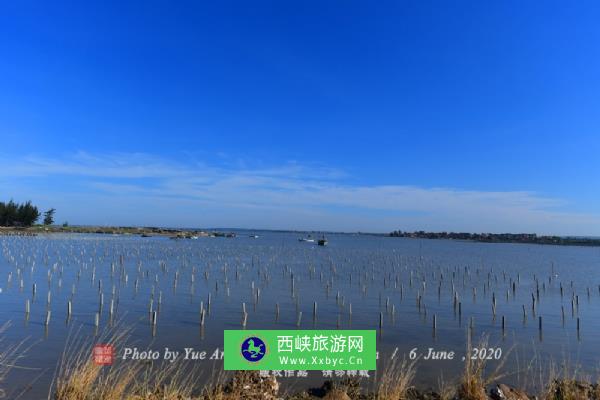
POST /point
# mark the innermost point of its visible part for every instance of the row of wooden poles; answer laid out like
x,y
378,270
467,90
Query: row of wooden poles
x,y
575,299
203,311
153,313
472,323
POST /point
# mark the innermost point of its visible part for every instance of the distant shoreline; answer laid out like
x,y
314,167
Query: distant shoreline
x,y
187,233
109,230
523,238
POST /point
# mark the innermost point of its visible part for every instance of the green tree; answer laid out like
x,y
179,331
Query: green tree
x,y
8,213
27,214
14,214
2,214
49,216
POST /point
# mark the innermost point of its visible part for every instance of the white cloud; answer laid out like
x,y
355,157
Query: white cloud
x,y
157,191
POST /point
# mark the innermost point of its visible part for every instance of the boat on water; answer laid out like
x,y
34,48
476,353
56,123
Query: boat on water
x,y
253,236
323,241
308,239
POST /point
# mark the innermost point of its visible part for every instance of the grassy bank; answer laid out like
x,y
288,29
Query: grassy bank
x,y
89,382
77,377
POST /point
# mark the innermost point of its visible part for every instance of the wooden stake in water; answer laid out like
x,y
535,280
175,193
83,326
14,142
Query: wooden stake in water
x,y
561,290
112,308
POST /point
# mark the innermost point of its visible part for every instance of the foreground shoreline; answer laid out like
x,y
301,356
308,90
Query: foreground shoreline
x,y
88,381
397,386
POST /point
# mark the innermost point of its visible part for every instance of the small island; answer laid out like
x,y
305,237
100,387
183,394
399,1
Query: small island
x,y
528,238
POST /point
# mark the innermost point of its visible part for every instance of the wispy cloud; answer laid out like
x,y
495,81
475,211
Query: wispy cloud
x,y
292,195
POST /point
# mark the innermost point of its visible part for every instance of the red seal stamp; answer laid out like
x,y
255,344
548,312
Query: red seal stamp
x,y
104,354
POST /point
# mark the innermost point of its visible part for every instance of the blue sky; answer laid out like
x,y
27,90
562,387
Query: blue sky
x,y
470,115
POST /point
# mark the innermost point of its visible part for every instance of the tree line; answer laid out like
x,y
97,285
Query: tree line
x,y
23,214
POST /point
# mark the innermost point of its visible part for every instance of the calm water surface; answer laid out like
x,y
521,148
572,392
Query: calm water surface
x,y
373,274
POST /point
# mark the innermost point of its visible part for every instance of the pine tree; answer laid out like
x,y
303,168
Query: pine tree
x,y
14,214
49,216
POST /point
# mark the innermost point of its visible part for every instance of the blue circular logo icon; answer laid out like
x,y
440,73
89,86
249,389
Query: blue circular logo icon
x,y
253,349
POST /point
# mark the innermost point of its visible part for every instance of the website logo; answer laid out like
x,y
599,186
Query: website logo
x,y
253,349
300,350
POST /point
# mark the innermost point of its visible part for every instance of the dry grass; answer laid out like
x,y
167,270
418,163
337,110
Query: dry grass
x,y
8,360
79,378
569,384
169,382
474,380
445,390
396,380
215,388
564,389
